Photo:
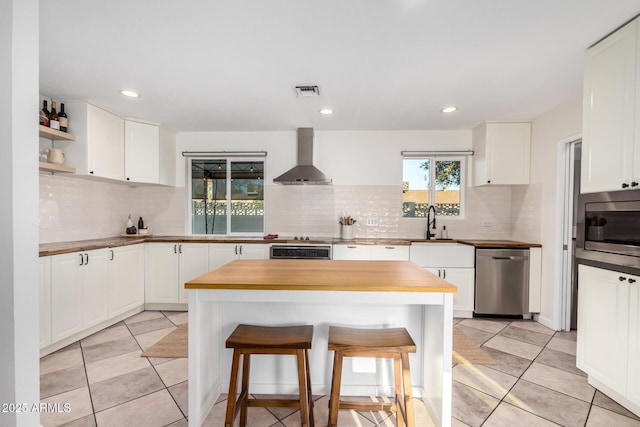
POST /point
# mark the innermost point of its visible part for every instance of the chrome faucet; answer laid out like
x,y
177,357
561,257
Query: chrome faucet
x,y
430,221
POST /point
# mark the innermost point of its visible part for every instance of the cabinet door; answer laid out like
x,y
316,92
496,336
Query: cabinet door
x,y
161,273
95,288
106,144
609,108
352,252
194,262
222,253
254,251
603,326
126,279
44,288
141,152
464,280
66,295
508,153
390,253
633,390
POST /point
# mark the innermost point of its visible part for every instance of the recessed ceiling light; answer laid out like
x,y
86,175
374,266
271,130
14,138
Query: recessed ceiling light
x,y
326,111
449,109
130,93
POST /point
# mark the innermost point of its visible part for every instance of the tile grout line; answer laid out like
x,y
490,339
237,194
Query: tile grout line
x,y
86,374
158,374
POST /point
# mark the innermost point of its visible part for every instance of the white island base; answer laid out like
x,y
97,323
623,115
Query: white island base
x,y
214,313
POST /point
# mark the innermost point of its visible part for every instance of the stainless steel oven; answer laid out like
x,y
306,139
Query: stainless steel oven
x,y
608,228
300,252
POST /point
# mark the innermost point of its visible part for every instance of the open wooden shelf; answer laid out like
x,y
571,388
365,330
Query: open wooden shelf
x,y
50,167
49,133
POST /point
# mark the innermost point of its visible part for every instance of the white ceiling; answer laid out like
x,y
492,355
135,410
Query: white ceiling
x,y
226,65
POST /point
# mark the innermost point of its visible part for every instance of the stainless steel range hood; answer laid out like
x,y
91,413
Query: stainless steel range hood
x,y
304,172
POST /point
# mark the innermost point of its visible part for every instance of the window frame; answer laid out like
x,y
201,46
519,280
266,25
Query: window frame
x,y
228,161
432,182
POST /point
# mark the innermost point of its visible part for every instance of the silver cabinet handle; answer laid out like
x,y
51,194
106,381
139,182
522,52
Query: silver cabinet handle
x,y
236,249
240,249
444,274
180,248
352,247
439,275
389,247
111,250
175,249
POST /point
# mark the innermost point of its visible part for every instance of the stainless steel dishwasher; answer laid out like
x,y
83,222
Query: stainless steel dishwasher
x,y
502,282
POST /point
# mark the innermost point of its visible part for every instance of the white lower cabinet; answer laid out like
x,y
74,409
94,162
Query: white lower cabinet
x,y
454,263
79,292
351,252
633,385
356,252
608,333
44,289
193,262
223,253
464,280
168,266
126,279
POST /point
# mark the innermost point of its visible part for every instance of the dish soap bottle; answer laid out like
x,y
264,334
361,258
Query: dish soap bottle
x,y
130,228
445,233
140,224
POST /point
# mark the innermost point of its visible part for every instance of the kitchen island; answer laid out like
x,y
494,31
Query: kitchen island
x,y
320,293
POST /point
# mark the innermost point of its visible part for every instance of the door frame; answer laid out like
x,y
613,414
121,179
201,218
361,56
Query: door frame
x,y
564,250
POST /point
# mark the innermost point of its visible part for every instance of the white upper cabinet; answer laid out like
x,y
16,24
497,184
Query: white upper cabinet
x,y
99,148
142,152
611,131
108,146
501,153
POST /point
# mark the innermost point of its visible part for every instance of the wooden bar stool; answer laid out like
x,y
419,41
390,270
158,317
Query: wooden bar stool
x,y
247,340
391,343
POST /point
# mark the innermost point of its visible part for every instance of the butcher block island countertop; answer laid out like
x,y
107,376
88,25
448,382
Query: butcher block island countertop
x,y
320,293
322,275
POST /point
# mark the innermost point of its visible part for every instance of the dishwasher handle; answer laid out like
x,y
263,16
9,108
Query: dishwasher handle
x,y
513,258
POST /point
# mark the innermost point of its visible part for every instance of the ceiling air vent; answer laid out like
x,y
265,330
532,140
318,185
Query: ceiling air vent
x,y
307,90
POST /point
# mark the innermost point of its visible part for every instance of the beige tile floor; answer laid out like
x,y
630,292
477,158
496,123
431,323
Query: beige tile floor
x,y
534,382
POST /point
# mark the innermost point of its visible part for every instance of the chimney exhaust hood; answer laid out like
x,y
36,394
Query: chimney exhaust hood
x,y
304,172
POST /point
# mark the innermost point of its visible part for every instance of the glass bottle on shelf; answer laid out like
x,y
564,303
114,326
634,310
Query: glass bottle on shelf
x,y
53,117
44,114
62,118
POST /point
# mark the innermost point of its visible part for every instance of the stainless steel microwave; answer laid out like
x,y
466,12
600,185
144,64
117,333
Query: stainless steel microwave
x,y
608,228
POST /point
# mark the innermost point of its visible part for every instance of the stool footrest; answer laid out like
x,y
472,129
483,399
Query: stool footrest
x,y
274,403
370,406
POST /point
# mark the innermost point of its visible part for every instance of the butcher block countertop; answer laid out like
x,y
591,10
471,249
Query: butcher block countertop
x,y
58,248
509,244
321,275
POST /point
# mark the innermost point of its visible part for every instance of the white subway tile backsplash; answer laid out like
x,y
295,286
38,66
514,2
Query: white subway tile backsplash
x,y
72,208
78,209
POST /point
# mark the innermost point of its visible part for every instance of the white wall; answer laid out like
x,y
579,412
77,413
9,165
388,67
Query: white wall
x,y
19,323
540,199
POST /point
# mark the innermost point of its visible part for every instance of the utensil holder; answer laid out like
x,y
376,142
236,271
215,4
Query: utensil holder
x,y
346,232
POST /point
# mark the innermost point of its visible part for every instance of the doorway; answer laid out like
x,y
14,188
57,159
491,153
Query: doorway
x,y
571,191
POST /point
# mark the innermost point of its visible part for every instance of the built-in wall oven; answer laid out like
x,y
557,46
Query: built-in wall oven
x,y
608,228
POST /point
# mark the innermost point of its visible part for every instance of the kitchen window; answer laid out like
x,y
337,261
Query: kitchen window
x,y
227,196
437,181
